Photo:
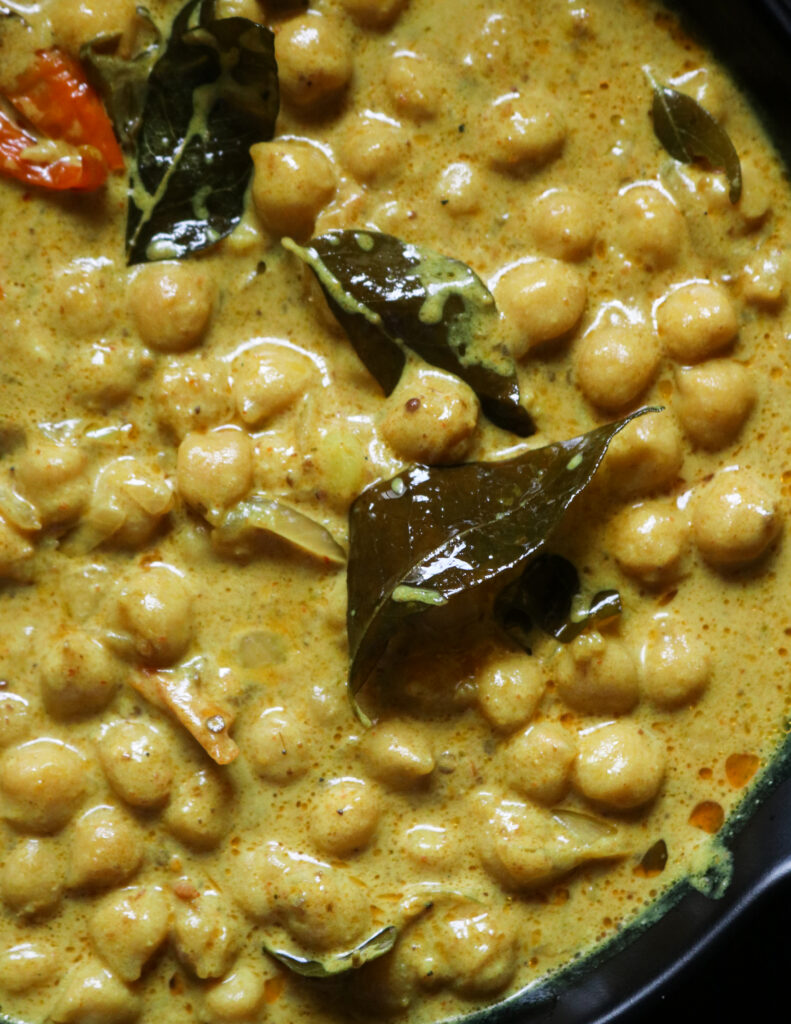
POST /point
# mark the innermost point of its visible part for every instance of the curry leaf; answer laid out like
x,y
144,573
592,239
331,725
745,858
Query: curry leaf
x,y
390,295
689,132
547,595
211,95
452,537
376,945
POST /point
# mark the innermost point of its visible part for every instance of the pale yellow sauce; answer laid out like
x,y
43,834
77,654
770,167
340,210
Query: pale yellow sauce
x,y
139,876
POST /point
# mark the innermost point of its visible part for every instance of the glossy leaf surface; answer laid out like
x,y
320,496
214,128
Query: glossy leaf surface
x,y
211,95
329,966
390,296
688,132
452,537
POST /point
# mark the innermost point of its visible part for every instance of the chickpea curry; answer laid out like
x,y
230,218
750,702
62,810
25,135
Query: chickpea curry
x,y
393,466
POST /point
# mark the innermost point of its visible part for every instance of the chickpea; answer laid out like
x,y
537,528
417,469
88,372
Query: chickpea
x,y
675,666
646,456
14,718
619,766
239,995
538,761
415,85
314,61
52,477
597,676
155,608
276,746
205,933
32,875
215,469
136,759
649,541
615,365
269,379
42,783
75,22
374,13
344,816
92,993
523,131
650,226
398,754
106,849
292,182
129,502
373,148
171,304
28,965
193,394
431,417
460,189
734,519
714,402
564,224
128,927
78,675
199,812
434,847
510,688
542,301
696,321
16,553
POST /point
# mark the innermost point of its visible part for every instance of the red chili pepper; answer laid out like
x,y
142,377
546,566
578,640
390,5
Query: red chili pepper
x,y
84,170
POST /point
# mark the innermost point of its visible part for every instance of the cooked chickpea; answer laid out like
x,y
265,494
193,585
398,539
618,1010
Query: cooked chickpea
x,y
542,301
619,766
91,994
137,762
314,61
645,456
32,876
238,997
42,783
129,502
75,22
206,933
53,478
171,304
675,666
415,85
199,812
597,676
460,188
215,469
193,394
510,688
269,379
538,761
523,131
106,849
129,926
155,608
374,13
614,365
715,400
28,965
431,417
14,718
649,541
734,519
564,224
398,754
373,148
292,182
344,816
696,321
276,746
78,675
650,226
16,552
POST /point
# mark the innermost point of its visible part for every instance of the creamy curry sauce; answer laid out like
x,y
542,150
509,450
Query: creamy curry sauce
x,y
500,809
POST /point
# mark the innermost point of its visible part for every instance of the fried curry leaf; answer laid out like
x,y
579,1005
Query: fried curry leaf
x,y
122,80
388,294
452,537
547,595
376,945
688,132
235,530
211,95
